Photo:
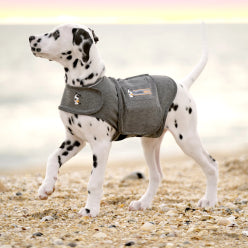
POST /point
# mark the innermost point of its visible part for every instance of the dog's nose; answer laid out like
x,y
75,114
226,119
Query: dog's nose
x,y
31,38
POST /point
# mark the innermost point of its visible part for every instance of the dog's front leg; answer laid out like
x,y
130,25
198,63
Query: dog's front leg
x,y
70,147
95,186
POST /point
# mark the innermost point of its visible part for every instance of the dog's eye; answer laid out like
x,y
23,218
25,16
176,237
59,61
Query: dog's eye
x,y
56,34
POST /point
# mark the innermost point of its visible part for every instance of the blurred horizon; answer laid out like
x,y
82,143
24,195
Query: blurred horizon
x,y
123,12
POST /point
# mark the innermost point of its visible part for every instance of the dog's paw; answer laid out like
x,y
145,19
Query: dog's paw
x,y
46,189
90,212
205,203
138,205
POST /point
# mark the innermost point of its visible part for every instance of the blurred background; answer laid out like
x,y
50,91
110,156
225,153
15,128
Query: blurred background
x,y
156,37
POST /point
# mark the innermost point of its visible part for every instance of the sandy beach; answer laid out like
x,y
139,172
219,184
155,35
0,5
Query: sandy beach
x,y
174,220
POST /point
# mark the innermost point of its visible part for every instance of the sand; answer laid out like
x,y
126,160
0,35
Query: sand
x,y
174,220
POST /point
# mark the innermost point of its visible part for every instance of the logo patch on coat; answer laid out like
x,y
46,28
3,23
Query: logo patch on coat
x,y
139,92
76,99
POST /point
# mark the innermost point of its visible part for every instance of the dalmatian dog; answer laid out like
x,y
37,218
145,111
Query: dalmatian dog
x,y
74,47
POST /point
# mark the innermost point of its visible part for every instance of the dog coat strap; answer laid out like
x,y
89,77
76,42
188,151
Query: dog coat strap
x,y
80,100
98,100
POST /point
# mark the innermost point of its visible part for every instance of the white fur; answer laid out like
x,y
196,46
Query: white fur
x,y
182,123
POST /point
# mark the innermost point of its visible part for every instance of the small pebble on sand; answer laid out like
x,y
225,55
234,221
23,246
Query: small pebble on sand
x,y
148,226
134,175
47,218
99,235
130,243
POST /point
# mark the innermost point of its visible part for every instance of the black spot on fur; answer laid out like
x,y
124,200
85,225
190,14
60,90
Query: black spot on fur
x,y
91,124
68,142
70,131
79,125
87,67
90,76
95,138
94,161
72,119
176,125
94,158
69,120
190,110
35,44
73,82
175,107
56,34
39,40
69,148
88,192
212,158
76,143
76,115
38,50
59,161
66,69
62,145
180,136
87,211
69,57
75,63
65,153
108,128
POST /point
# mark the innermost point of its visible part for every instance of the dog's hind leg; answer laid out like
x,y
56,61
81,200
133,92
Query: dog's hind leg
x,y
69,148
190,143
151,147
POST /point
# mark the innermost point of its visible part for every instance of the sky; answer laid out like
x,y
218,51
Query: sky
x,y
124,11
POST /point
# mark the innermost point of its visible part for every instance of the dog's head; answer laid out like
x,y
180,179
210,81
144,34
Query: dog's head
x,y
65,43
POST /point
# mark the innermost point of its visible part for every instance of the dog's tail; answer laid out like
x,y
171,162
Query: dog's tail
x,y
189,79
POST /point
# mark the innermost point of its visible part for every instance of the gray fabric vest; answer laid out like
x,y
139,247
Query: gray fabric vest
x,y
135,106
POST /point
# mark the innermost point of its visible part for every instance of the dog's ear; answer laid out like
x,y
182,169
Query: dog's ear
x,y
96,39
82,39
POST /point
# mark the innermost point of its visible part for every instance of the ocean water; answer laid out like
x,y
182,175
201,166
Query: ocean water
x,y
31,88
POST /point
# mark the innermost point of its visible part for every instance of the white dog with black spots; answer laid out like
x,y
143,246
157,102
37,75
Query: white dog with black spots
x,y
74,47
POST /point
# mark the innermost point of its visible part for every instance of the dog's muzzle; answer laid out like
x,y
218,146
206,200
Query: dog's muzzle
x,y
33,45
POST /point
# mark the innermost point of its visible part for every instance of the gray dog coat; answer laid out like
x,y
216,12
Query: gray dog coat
x,y
136,106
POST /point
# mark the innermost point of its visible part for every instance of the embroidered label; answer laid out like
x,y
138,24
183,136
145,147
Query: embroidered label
x,y
76,99
139,92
